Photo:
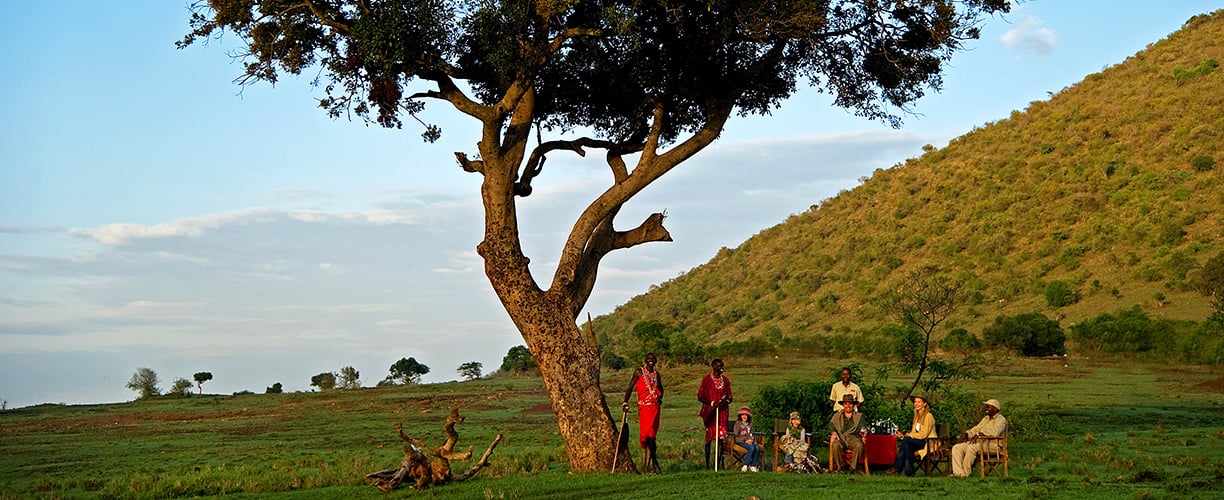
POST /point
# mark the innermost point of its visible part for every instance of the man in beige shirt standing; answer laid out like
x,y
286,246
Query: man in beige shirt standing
x,y
844,387
966,452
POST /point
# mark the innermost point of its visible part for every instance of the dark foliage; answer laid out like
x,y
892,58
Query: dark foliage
x,y
1030,334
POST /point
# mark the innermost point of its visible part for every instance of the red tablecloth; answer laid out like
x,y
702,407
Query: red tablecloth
x,y
881,449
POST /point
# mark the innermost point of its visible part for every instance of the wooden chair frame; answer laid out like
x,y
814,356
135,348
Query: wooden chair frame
x,y
989,459
938,452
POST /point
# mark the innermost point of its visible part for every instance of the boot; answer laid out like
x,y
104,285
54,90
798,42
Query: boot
x,y
707,450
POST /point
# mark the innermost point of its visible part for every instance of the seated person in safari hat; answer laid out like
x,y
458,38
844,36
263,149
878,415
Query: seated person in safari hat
x,y
965,453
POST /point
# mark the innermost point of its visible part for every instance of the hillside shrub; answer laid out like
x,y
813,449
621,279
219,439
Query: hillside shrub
x,y
1129,330
1182,75
756,345
611,360
1202,163
960,340
1060,294
1030,334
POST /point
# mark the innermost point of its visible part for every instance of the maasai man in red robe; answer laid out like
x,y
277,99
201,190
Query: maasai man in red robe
x,y
649,387
715,395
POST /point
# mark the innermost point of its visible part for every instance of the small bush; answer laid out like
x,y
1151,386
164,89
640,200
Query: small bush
x,y
1202,163
612,360
1129,330
960,340
1060,294
1030,334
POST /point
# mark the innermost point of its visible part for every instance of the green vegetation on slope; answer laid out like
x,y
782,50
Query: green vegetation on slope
x,y
1107,196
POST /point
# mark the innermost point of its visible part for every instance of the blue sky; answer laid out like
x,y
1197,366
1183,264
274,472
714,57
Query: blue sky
x,y
154,214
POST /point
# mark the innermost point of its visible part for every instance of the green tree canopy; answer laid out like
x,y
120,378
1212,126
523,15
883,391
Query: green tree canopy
x,y
202,377
349,378
144,382
324,381
407,371
518,360
470,370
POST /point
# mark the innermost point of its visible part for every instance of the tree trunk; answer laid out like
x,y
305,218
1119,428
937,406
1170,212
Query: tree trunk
x,y
570,369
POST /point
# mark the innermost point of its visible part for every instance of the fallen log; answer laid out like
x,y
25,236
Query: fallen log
x,y
427,466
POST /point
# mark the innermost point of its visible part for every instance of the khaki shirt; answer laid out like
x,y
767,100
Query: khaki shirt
x,y
991,426
923,429
840,390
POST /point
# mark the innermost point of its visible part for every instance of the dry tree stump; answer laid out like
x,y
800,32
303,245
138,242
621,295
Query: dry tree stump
x,y
427,466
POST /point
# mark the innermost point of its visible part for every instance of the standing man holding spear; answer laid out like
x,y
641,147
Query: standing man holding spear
x,y
714,393
649,386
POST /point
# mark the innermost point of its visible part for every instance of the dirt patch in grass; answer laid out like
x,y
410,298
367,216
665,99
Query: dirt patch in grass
x,y
539,409
1215,385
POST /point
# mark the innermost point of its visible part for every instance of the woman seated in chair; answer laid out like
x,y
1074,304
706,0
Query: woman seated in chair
x,y
794,442
744,438
914,441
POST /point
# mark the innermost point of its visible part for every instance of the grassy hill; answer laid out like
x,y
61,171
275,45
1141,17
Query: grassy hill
x,y
1113,187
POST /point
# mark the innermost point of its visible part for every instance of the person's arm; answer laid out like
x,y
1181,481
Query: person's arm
x,y
701,392
629,391
660,378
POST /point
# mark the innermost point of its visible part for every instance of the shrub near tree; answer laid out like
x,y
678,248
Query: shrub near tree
x,y
275,388
181,387
324,381
144,382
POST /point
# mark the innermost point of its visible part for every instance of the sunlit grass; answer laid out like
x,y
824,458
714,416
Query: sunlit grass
x,y
1095,428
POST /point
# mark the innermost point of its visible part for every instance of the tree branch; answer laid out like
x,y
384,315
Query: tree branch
x,y
535,163
328,20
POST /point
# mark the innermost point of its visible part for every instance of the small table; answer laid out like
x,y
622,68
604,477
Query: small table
x,y
881,449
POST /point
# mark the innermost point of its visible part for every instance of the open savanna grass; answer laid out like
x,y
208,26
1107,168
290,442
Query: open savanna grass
x,y
1083,428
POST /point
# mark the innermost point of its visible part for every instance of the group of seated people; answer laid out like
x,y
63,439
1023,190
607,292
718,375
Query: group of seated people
x,y
847,433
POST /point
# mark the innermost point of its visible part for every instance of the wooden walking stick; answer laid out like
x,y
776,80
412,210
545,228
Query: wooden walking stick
x,y
621,435
717,451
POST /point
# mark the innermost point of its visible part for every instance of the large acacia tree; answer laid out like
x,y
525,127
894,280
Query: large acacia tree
x,y
650,83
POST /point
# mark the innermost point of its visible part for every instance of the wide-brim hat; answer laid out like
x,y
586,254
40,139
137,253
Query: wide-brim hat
x,y
992,402
795,416
922,397
744,411
849,397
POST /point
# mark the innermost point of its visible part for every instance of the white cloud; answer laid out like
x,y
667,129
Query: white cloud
x,y
118,234
1030,38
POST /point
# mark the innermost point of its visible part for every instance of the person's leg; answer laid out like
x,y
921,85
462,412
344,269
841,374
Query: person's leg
x,y
958,458
856,452
899,462
707,454
838,453
912,446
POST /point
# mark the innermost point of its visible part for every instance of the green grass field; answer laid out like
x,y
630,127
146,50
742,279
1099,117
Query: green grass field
x,y
1099,428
